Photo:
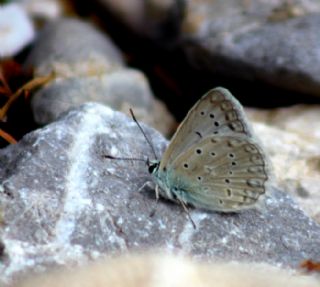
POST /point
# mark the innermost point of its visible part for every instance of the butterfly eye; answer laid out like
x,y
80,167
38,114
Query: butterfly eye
x,y
153,167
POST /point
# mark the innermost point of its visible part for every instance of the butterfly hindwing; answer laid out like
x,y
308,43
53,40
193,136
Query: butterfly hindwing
x,y
225,173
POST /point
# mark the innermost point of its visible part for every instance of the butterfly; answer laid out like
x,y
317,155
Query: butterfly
x,y
213,161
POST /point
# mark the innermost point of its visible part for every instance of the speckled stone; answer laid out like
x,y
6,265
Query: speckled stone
x,y
88,67
62,201
291,136
271,42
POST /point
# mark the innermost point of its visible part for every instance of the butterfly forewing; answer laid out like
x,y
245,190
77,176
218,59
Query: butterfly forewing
x,y
216,113
225,173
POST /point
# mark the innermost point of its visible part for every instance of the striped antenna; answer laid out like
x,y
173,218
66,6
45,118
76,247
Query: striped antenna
x,y
144,134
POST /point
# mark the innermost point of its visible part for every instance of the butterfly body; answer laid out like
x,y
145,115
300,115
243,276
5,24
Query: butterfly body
x,y
213,161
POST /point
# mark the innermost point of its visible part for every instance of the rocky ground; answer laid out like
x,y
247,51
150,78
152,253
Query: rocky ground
x,y
62,202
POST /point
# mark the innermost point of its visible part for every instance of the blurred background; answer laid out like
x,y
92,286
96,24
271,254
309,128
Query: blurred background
x,y
267,53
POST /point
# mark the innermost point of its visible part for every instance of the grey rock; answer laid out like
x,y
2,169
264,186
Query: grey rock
x,y
256,40
156,19
125,86
291,137
72,43
64,202
271,42
88,67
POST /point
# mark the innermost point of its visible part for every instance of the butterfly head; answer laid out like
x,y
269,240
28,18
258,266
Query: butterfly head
x,y
153,166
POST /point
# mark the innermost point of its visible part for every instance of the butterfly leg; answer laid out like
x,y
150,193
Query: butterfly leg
x,y
186,210
147,183
153,212
157,193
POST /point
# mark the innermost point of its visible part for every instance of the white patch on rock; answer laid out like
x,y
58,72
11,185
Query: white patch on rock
x,y
185,238
76,197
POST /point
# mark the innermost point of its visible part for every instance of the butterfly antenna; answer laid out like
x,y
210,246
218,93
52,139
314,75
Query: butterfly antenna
x,y
124,158
144,134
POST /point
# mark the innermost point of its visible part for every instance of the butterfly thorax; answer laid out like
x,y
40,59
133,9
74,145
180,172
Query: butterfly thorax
x,y
160,178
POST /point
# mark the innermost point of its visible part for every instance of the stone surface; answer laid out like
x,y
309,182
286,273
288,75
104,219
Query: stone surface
x,y
157,19
291,137
120,88
63,202
73,47
44,10
271,42
88,67
256,40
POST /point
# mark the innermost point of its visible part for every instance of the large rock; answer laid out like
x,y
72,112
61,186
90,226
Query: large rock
x,y
291,137
63,201
270,42
88,67
246,42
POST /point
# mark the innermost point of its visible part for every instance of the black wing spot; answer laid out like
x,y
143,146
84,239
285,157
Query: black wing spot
x,y
199,134
202,113
229,192
212,116
213,154
199,178
231,155
216,124
220,201
227,180
185,165
199,151
234,163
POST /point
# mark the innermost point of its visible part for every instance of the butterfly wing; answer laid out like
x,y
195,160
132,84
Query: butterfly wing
x,y
225,173
216,113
